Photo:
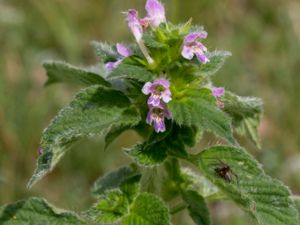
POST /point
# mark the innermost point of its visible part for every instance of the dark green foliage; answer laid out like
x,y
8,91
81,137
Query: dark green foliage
x,y
61,72
198,108
125,70
113,179
197,207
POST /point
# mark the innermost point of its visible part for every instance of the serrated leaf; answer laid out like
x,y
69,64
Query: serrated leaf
x,y
197,207
198,108
266,199
125,70
148,154
147,209
93,111
216,61
246,113
63,72
113,179
105,51
36,211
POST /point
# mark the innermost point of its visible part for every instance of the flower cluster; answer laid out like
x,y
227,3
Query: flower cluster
x,y
160,94
159,89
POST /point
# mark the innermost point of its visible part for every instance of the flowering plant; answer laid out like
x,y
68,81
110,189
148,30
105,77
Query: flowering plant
x,y
161,87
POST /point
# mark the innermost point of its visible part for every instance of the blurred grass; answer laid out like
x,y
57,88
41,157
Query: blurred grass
x,y
264,37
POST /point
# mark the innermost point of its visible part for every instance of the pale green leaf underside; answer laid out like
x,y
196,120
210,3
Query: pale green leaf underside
x,y
265,198
63,72
198,108
93,111
147,209
36,211
246,113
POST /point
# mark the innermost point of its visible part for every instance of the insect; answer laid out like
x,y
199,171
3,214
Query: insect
x,y
224,171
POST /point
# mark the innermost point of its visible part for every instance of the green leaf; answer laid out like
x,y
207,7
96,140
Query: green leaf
x,y
197,207
111,207
38,212
152,42
148,154
113,179
125,70
198,108
266,199
63,72
217,60
246,113
105,51
113,133
93,111
147,209
114,203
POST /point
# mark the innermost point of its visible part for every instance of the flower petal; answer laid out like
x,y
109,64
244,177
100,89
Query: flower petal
x,y
154,100
166,96
187,52
218,91
123,50
159,124
147,88
202,57
156,12
134,24
192,37
162,82
110,66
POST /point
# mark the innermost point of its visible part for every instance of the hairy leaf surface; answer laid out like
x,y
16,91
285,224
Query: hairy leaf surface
x,y
197,207
217,60
266,199
198,108
113,179
62,72
38,212
246,113
93,111
147,209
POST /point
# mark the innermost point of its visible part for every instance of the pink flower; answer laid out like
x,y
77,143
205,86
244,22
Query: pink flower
x,y
159,90
156,116
192,47
156,13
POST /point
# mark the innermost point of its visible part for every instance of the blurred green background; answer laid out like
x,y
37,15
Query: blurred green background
x,y
263,35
